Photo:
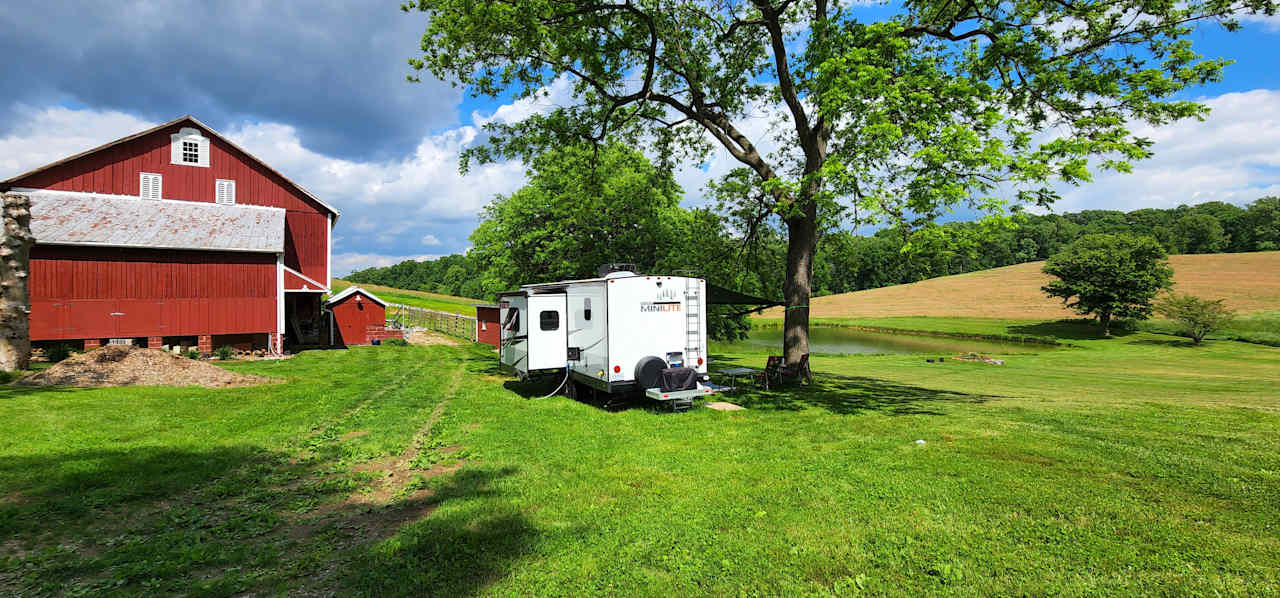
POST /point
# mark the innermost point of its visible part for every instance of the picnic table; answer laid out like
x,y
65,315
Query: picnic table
x,y
735,373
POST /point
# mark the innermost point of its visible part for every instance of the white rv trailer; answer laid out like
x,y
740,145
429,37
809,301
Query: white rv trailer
x,y
615,333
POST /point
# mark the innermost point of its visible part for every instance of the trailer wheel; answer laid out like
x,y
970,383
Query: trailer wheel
x,y
649,372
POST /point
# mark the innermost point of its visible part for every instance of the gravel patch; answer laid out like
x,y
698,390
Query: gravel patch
x,y
117,365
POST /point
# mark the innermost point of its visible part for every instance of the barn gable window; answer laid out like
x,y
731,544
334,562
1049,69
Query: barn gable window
x,y
189,148
225,192
150,185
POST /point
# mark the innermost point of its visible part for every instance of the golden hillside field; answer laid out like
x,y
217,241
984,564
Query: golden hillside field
x,y
1250,282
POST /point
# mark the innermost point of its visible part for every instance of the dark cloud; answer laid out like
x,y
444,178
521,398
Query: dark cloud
x,y
335,71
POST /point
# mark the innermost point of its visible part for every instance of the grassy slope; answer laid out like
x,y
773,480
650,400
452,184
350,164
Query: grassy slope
x,y
436,301
1250,282
1129,466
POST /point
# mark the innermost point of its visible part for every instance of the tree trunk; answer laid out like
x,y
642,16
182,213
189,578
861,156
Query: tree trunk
x,y
1105,319
15,302
802,241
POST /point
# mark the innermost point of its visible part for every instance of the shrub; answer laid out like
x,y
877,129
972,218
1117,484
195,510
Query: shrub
x,y
58,352
193,354
225,352
1195,317
396,342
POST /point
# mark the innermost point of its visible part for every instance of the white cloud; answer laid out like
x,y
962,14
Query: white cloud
x,y
1232,156
49,134
558,93
402,193
430,240
1269,23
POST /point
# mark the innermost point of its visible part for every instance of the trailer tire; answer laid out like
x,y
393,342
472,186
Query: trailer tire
x,y
649,372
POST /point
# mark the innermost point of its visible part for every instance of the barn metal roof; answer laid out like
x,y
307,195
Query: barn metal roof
x,y
352,290
73,218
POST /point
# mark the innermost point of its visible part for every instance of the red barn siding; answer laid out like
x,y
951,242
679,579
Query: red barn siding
x,y
151,293
115,170
306,245
293,282
353,318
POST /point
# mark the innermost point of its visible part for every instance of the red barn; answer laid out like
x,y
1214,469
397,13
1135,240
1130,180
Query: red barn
x,y
178,236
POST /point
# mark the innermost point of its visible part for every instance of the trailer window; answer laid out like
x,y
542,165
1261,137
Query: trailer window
x,y
586,309
549,320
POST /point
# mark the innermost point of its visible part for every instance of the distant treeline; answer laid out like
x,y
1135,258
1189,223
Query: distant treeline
x,y
848,262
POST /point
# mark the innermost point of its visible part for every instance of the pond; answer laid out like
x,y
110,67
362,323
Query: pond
x,y
841,341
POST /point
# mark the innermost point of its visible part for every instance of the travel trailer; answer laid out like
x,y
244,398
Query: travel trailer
x,y
616,334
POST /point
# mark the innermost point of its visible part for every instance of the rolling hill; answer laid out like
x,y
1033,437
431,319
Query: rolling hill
x,y
1250,282
436,301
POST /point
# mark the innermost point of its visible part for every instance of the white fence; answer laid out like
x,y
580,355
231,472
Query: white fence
x,y
407,317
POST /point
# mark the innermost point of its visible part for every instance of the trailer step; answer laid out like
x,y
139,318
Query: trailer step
x,y
681,395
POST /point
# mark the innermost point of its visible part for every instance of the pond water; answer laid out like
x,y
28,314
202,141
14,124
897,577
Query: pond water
x,y
840,341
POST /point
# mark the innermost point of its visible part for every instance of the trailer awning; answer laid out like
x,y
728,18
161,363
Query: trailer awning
x,y
718,295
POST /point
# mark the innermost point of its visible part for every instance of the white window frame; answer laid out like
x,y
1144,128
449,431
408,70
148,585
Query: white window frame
x,y
192,135
152,190
224,192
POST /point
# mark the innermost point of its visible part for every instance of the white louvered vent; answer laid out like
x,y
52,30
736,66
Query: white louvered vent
x,y
225,192
149,187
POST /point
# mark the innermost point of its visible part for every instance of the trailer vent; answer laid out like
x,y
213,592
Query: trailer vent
x,y
607,269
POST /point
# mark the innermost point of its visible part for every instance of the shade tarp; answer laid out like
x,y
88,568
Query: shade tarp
x,y
718,295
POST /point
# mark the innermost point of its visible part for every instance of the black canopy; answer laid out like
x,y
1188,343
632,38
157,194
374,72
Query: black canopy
x,y
718,295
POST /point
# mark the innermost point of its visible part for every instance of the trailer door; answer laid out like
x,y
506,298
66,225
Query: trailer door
x,y
548,332
513,349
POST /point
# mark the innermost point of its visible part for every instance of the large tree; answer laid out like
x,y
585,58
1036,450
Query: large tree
x,y
944,104
1109,276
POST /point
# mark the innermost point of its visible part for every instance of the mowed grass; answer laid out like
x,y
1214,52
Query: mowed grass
x,y
1250,282
1135,465
436,301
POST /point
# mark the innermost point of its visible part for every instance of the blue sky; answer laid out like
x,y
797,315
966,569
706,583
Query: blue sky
x,y
318,91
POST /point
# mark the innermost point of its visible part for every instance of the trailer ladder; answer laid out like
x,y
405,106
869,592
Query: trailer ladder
x,y
693,322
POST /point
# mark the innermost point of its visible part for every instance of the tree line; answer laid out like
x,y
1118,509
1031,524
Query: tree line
x,y
583,207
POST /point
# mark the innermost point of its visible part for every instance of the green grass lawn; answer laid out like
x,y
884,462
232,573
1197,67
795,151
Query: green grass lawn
x,y
1136,465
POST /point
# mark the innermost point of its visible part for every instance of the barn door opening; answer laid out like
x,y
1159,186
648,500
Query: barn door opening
x,y
304,324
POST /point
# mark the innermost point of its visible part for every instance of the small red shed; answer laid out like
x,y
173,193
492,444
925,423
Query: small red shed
x,y
487,325
358,317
